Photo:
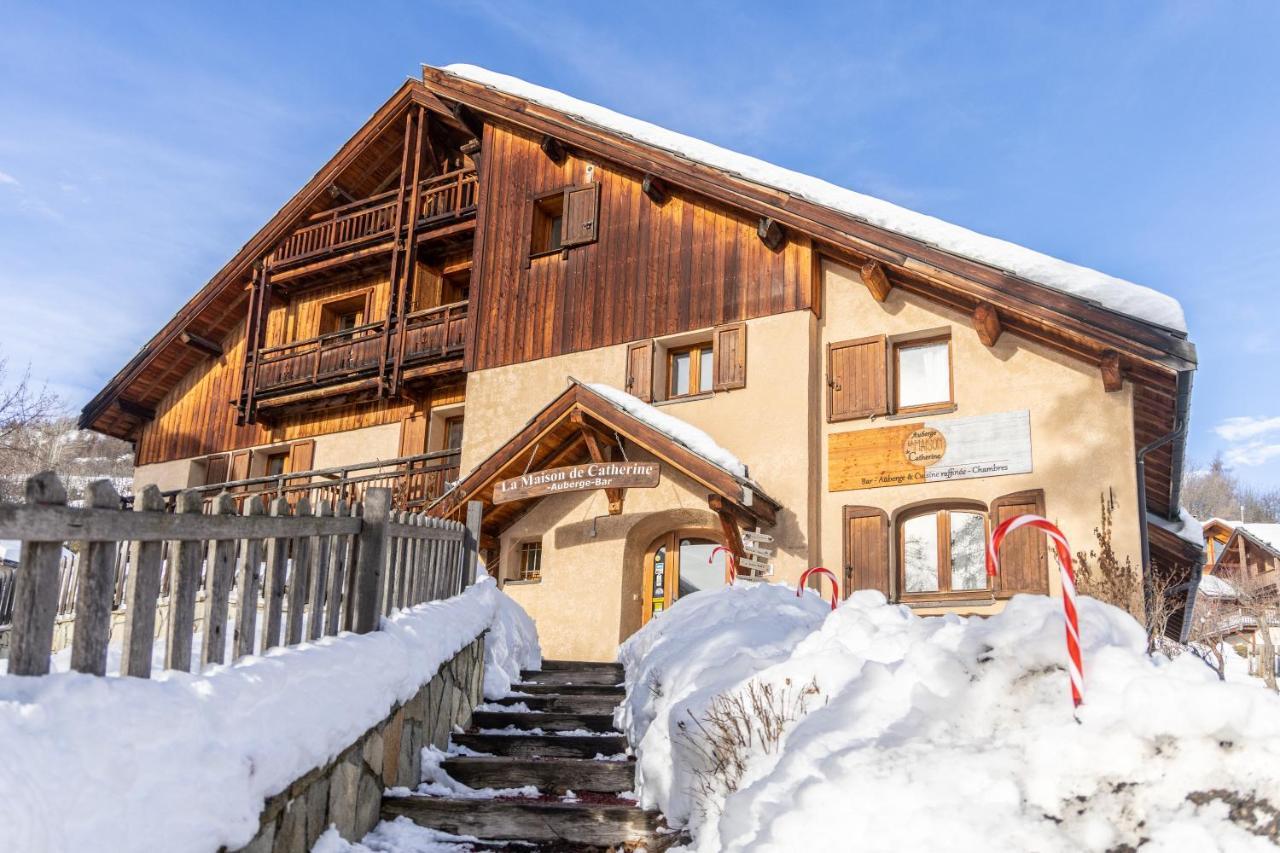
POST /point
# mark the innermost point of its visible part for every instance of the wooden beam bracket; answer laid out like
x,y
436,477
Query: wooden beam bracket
x,y
136,410
655,189
1112,374
553,149
600,452
469,119
771,233
986,322
201,343
873,276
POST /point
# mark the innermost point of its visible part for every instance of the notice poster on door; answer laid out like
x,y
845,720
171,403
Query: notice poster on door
x,y
930,451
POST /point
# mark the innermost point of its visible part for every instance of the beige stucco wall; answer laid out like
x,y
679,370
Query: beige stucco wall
x,y
765,424
590,595
1081,437
332,450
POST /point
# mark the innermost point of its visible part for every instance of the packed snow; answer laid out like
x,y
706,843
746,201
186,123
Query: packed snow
x,y
122,761
684,433
1113,293
402,836
946,732
1216,587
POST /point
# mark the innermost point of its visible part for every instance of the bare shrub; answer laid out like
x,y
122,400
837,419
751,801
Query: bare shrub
x,y
1101,575
738,725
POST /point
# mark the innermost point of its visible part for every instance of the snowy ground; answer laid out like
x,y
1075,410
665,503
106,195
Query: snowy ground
x,y
946,733
185,762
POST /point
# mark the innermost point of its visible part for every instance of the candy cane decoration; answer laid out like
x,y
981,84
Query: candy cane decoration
x,y
1076,666
835,585
730,563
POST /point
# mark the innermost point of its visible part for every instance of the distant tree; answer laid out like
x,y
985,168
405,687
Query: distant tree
x,y
1216,492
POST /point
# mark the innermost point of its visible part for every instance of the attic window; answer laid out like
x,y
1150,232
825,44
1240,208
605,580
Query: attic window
x,y
548,224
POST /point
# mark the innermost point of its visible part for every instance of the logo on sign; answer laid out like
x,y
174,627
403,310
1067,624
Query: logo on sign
x,y
924,446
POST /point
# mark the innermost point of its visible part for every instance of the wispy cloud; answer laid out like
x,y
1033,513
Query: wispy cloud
x,y
6,178
1242,428
1251,454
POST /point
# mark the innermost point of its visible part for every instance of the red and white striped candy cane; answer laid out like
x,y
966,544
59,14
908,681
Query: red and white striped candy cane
x,y
730,563
1076,666
835,585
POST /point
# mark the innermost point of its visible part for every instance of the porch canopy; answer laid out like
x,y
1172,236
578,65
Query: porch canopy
x,y
594,424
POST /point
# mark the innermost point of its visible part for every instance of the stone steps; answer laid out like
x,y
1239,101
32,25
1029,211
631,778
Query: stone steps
x,y
570,696
564,703
548,721
549,775
538,821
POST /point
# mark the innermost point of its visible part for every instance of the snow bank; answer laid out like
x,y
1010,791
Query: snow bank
x,y
511,645
1113,293
687,434
185,762
950,733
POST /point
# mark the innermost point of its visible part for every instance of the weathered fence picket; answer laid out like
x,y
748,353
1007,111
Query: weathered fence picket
x,y
312,571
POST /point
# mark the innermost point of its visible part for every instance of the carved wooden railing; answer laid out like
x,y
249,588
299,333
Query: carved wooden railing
x,y
440,198
350,354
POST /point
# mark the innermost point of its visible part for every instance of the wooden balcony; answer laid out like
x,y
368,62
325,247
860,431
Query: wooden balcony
x,y
430,337
443,200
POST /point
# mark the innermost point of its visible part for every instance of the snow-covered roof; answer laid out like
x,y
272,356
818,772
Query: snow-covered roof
x,y
1187,527
1215,587
679,431
1116,294
1267,534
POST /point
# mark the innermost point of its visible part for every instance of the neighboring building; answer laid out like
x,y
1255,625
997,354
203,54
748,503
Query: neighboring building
x,y
475,275
1239,593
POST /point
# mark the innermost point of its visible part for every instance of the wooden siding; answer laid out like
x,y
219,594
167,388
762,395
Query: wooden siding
x,y
654,269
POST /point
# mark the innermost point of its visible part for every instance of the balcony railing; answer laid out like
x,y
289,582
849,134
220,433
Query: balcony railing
x,y
441,199
436,333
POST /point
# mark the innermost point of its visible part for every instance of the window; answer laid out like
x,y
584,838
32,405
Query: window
x,y
276,463
922,374
689,371
344,314
564,218
548,225
943,551
453,433
531,560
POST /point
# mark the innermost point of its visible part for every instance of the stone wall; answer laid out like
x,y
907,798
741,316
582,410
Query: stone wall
x,y
347,792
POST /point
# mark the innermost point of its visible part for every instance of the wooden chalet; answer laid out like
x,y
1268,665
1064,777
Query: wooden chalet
x,y
453,303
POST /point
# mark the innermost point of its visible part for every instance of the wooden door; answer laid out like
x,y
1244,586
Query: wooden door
x,y
662,569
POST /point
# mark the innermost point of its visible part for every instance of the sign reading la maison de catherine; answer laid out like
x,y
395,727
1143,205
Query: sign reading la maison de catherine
x,y
578,478
930,451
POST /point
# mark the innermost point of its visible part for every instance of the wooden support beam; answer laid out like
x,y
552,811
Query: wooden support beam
x,y
655,189
1112,376
472,149
728,526
469,119
986,322
553,149
600,453
136,410
873,276
772,234
337,192
199,342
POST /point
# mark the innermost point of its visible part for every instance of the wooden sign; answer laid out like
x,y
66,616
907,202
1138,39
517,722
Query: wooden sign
x,y
930,451
578,478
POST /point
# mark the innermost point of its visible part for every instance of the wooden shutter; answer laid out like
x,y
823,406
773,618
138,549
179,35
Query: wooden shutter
x,y
413,434
240,465
857,379
215,470
866,549
581,219
729,359
302,455
640,370
1024,556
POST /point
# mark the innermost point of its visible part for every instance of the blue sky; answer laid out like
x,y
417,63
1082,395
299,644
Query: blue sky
x,y
142,144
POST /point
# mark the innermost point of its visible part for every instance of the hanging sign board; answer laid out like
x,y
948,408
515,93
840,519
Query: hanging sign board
x,y
578,478
930,451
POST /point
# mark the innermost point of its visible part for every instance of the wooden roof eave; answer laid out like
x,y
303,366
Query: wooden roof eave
x,y
520,452
411,93
901,254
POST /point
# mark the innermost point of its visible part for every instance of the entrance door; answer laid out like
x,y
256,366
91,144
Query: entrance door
x,y
677,564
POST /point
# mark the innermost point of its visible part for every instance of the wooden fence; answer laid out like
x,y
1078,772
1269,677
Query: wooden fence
x,y
309,572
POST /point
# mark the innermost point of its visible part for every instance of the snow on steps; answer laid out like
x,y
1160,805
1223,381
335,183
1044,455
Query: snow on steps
x,y
527,754
579,703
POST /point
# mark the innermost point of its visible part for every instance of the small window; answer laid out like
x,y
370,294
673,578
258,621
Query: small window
x,y
276,463
453,433
943,551
342,315
531,561
548,224
922,374
689,371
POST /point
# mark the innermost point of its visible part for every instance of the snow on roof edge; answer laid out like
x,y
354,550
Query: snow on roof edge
x,y
1116,294
1187,528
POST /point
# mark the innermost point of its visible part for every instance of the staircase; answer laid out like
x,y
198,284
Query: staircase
x,y
565,742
